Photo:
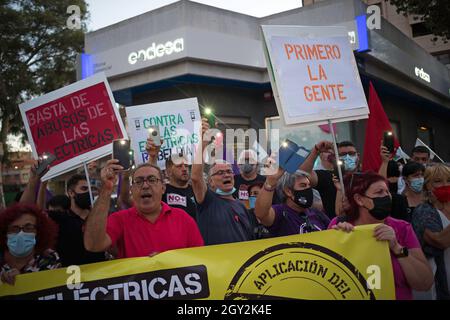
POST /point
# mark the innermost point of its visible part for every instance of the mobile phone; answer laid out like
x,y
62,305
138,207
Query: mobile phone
x,y
153,132
122,152
208,114
388,141
44,161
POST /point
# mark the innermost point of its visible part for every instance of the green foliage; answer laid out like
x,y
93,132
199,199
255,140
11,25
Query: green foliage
x,y
37,53
435,14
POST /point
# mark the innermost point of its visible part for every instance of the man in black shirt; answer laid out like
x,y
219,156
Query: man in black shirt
x,y
179,193
248,167
322,180
71,222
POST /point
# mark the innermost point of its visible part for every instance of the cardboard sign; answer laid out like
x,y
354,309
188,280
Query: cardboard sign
x,y
314,74
176,121
76,123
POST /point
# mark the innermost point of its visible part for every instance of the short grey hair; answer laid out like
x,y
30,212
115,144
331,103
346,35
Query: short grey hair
x,y
218,161
287,181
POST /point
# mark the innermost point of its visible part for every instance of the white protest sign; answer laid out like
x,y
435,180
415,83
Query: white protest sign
x,y
76,123
175,120
314,74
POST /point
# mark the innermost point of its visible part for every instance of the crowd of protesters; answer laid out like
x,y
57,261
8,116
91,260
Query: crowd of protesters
x,y
191,205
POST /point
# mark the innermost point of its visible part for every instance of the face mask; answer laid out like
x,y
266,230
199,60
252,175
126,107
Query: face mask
x,y
442,194
393,187
252,202
21,244
304,198
223,193
349,162
382,207
401,185
83,200
246,168
416,184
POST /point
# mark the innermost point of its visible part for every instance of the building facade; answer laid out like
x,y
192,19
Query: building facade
x,y
188,49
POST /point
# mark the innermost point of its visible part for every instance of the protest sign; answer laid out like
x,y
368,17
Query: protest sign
x,y
76,123
326,265
175,119
313,74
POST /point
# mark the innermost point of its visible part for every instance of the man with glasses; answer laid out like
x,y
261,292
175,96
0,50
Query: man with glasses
x,y
147,228
221,217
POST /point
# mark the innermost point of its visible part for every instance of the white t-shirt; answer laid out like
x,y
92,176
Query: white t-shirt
x,y
445,224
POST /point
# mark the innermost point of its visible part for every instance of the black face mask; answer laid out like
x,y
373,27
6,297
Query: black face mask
x,y
382,207
304,198
83,200
393,187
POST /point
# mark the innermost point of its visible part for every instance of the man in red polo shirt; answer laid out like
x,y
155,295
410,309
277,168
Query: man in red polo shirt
x,y
149,227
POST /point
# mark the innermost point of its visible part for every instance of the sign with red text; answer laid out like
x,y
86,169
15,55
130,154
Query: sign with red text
x,y
314,74
76,123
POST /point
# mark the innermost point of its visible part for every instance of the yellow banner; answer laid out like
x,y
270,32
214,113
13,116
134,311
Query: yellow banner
x,y
326,265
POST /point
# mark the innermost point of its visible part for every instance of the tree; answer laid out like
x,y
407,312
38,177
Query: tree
x,y
37,55
435,14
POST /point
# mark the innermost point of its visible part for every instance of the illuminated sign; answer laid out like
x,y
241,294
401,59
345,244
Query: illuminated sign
x,y
422,74
156,51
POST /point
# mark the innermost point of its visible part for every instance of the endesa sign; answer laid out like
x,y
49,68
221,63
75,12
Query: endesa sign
x,y
76,123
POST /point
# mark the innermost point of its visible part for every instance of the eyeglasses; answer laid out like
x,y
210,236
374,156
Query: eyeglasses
x,y
222,172
28,228
151,180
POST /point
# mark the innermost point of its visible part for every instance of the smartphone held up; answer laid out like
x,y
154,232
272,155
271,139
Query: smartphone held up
x,y
123,153
44,161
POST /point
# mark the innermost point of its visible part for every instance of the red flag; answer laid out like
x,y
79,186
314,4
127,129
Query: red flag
x,y
377,124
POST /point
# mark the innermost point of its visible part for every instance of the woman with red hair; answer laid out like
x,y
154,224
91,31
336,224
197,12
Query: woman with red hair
x,y
370,202
26,238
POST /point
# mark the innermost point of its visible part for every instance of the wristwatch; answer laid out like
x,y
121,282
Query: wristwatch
x,y
404,252
268,187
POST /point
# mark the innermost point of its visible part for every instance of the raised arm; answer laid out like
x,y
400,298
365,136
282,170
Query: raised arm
x,y
198,183
263,206
308,164
29,194
153,151
385,156
41,199
96,238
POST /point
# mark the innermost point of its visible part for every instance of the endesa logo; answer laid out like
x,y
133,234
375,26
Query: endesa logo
x,y
156,51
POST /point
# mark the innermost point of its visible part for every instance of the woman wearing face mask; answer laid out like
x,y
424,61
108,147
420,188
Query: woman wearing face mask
x,y
412,174
370,203
26,236
295,214
431,222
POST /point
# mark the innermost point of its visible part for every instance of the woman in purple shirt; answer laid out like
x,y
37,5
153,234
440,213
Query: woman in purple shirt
x,y
370,203
294,215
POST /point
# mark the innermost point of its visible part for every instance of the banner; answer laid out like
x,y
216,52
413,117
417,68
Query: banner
x,y
175,120
331,265
314,74
76,123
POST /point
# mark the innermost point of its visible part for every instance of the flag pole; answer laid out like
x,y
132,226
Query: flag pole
x,y
341,180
